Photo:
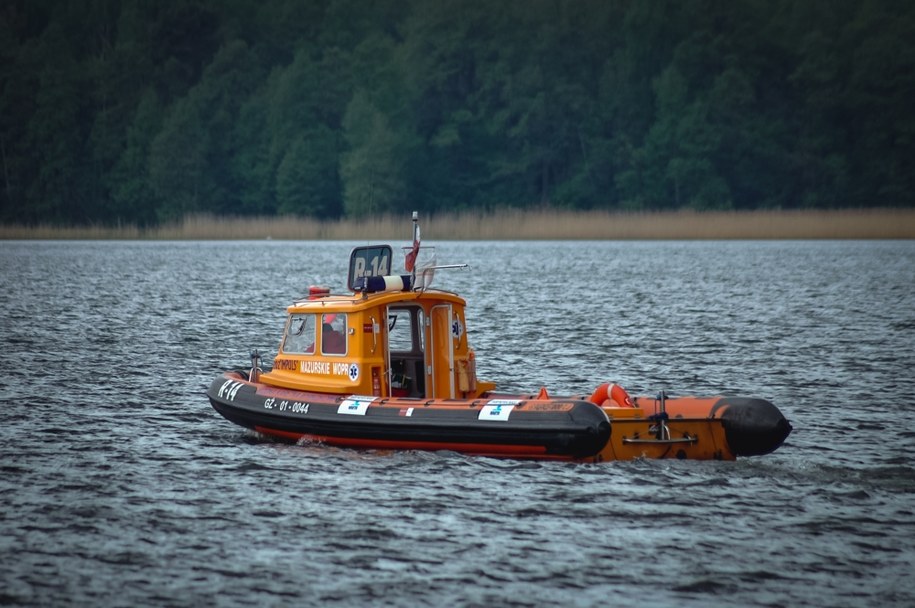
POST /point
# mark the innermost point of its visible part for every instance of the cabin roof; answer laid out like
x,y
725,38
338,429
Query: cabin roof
x,y
357,302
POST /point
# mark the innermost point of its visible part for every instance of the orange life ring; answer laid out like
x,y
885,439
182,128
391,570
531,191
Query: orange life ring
x,y
609,394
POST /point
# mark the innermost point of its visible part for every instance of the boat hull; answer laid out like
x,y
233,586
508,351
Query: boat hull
x,y
508,425
542,429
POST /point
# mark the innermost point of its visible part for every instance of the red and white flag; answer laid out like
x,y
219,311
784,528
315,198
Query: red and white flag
x,y
410,260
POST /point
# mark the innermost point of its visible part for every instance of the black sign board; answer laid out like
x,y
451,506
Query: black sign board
x,y
368,261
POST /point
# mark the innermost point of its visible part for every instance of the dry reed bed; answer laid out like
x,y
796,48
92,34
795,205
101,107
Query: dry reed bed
x,y
514,225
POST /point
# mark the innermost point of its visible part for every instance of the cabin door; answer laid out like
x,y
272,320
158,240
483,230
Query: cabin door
x,y
440,354
406,361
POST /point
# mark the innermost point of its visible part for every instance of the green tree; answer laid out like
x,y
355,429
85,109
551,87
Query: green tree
x,y
251,161
56,135
133,195
307,180
143,111
879,106
183,39
306,103
373,169
446,48
177,161
18,86
819,172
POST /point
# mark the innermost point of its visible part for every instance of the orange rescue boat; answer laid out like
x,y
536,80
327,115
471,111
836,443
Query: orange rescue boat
x,y
388,365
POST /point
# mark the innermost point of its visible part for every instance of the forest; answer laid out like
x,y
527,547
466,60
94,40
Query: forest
x,y
142,111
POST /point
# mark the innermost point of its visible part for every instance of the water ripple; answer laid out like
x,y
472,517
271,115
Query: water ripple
x,y
121,486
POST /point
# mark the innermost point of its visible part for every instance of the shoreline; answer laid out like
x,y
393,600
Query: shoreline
x,y
878,224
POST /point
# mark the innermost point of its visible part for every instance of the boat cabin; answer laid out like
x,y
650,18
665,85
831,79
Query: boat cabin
x,y
391,336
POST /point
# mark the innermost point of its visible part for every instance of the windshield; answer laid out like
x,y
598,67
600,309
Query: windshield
x,y
300,334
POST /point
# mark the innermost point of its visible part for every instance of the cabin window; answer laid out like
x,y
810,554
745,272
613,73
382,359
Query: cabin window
x,y
300,334
405,330
333,334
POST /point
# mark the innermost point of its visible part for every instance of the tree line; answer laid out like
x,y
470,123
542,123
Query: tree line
x,y
142,111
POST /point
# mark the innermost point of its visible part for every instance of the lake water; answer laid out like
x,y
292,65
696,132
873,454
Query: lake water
x,y
121,486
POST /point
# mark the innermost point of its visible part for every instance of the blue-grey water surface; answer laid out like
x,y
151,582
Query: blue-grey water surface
x,y
121,486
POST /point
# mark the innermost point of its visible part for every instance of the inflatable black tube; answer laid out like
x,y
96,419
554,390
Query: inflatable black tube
x,y
579,430
753,427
